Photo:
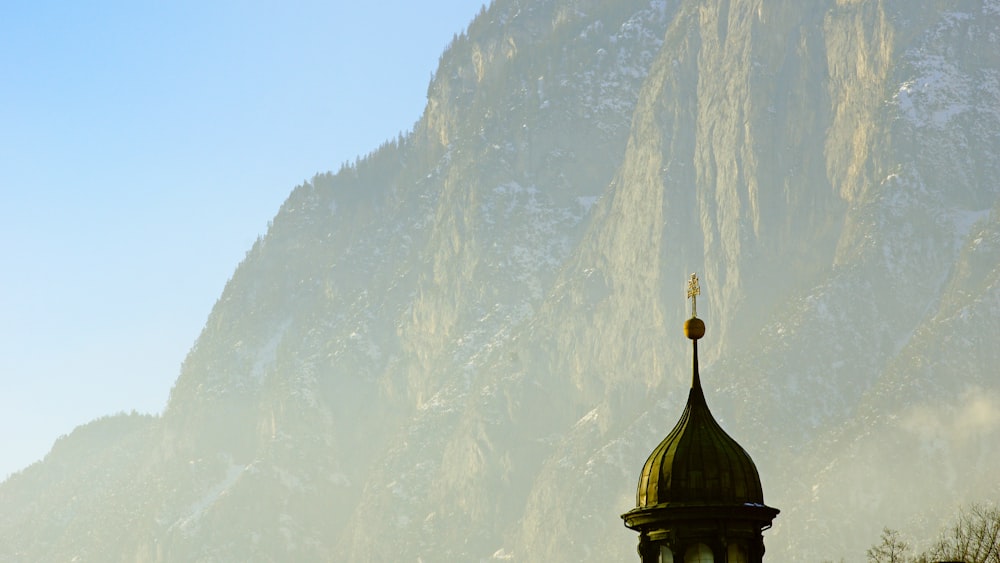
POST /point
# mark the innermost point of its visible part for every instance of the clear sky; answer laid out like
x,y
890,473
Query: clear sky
x,y
143,148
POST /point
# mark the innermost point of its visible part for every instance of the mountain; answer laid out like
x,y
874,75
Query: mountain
x,y
464,346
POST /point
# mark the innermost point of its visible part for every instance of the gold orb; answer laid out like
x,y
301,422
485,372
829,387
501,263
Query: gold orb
x,y
694,328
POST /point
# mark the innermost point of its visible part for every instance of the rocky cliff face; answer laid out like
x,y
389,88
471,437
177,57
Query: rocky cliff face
x,y
463,347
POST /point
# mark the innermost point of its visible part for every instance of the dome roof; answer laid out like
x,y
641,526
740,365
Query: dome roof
x,y
698,463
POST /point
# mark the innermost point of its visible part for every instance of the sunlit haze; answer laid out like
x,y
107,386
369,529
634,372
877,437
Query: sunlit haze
x,y
143,148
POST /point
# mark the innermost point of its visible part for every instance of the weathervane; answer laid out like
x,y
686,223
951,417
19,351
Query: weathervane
x,y
694,290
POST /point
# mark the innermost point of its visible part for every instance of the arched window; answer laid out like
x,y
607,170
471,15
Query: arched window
x,y
666,556
699,553
737,554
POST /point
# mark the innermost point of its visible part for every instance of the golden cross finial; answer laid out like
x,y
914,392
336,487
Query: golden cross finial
x,y
694,290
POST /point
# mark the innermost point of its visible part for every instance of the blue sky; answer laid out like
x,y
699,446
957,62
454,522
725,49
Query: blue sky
x,y
143,148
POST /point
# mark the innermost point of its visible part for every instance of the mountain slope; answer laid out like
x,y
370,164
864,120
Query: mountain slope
x,y
464,346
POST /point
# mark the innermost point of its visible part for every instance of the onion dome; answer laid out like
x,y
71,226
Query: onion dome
x,y
698,462
699,482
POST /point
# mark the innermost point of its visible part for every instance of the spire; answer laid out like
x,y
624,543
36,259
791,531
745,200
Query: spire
x,y
694,328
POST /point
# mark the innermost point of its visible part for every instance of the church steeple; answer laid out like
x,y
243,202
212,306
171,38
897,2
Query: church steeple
x,y
699,497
